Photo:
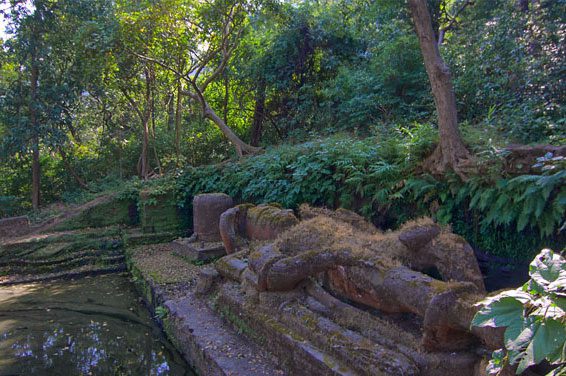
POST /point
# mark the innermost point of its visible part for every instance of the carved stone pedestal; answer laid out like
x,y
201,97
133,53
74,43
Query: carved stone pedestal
x,y
205,244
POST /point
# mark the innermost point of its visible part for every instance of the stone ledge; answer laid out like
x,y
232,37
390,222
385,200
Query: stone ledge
x,y
207,342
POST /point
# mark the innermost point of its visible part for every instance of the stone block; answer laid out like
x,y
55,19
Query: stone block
x,y
14,226
207,209
198,251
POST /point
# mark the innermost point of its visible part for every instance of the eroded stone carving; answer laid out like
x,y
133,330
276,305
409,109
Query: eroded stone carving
x,y
248,222
306,274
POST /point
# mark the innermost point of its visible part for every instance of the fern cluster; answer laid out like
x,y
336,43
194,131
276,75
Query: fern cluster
x,y
514,215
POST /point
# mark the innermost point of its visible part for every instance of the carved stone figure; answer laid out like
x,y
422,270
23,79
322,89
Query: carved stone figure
x,y
393,303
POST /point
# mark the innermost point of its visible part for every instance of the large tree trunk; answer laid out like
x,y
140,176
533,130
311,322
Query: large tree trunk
x,y
35,166
259,113
451,152
178,121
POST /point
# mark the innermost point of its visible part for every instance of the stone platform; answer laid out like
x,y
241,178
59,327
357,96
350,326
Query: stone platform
x,y
198,251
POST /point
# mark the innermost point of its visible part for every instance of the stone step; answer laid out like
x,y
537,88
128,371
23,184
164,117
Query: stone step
x,y
83,271
295,353
51,266
211,345
53,260
54,247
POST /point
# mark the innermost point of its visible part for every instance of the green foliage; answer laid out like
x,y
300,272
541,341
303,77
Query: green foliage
x,y
534,317
506,64
161,312
10,206
513,215
508,217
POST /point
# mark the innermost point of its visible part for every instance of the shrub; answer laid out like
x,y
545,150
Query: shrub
x,y
534,317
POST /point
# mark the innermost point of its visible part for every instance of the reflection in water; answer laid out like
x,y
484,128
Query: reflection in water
x,y
94,326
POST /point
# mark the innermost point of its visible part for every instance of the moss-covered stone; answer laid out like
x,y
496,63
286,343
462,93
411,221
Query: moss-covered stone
x,y
114,211
159,213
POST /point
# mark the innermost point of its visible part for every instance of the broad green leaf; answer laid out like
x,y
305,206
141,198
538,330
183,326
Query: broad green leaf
x,y
548,338
522,341
497,362
504,312
525,340
558,356
546,267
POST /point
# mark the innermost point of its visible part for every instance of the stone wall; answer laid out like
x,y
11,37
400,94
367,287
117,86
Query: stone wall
x,y
13,226
159,213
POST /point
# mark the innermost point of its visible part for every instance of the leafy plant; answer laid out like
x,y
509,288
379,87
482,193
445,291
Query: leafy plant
x,y
161,312
534,317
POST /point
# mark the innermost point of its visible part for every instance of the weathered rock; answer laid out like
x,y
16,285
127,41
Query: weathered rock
x,y
417,237
451,256
14,226
248,222
232,225
232,266
198,251
381,271
207,209
205,280
266,222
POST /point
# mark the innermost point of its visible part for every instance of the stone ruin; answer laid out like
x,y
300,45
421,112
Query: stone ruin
x,y
332,294
205,243
14,226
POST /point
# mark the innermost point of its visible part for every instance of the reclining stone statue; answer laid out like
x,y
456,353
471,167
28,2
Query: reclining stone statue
x,y
330,263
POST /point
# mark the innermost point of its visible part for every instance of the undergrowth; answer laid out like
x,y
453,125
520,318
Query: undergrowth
x,y
506,216
378,177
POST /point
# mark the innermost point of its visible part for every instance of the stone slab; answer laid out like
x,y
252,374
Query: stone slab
x,y
211,345
299,355
198,251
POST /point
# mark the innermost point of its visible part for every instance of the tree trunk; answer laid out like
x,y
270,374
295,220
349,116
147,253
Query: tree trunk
x,y
71,169
451,152
170,111
241,147
226,98
144,157
35,167
259,113
178,112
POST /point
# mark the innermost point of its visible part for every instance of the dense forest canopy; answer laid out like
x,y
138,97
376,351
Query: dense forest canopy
x,y
100,91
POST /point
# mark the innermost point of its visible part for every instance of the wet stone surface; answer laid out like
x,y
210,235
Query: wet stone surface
x,y
92,326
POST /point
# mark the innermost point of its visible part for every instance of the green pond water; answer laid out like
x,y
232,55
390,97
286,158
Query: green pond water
x,y
91,326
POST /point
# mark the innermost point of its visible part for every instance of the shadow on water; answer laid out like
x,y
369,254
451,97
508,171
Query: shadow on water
x,y
91,326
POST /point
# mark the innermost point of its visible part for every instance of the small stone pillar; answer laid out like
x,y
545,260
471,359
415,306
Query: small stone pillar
x,y
207,209
205,244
